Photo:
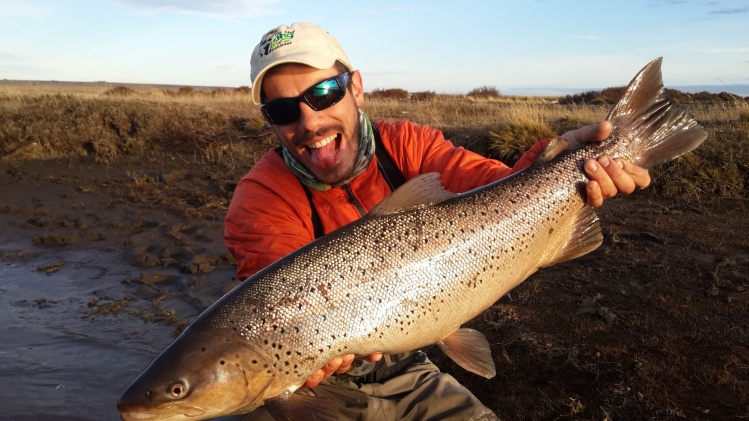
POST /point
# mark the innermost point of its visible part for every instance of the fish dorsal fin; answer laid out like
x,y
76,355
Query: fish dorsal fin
x,y
585,237
293,407
418,192
470,350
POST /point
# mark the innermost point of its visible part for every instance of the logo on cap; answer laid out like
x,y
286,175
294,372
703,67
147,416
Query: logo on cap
x,y
274,40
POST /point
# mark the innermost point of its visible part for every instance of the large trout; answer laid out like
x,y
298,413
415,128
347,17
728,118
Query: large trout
x,y
405,276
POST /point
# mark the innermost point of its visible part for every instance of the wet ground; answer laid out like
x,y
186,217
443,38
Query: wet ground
x,y
94,281
101,264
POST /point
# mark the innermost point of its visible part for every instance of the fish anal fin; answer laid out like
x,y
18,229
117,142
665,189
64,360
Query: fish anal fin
x,y
293,407
470,350
584,237
418,192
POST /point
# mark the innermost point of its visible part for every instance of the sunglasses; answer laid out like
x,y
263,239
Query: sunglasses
x,y
319,97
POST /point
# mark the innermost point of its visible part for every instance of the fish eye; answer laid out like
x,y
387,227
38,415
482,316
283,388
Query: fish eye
x,y
177,390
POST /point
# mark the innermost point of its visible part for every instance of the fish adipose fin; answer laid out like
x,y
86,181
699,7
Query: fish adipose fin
x,y
585,237
646,114
470,350
418,192
293,407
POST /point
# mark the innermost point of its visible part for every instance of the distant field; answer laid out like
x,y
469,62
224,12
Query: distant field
x,y
104,121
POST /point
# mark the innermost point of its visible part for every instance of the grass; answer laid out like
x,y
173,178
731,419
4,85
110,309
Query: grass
x,y
104,122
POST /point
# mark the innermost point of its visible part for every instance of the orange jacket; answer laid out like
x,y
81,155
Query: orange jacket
x,y
269,215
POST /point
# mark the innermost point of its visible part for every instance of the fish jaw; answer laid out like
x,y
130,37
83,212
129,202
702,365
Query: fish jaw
x,y
204,374
172,412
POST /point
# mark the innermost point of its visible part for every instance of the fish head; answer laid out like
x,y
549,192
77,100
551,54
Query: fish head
x,y
201,375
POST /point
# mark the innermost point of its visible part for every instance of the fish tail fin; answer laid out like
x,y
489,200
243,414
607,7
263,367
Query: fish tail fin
x,y
649,116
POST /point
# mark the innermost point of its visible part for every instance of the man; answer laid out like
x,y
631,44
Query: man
x,y
328,174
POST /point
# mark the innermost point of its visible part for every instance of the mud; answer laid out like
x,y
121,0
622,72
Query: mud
x,y
101,264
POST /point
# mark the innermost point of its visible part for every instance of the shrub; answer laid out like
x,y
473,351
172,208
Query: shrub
x,y
186,91
485,92
392,93
220,92
120,91
610,96
607,96
424,96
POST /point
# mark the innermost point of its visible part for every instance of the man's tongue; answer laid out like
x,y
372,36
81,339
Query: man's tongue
x,y
324,157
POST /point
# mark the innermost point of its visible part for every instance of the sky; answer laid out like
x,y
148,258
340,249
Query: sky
x,y
534,47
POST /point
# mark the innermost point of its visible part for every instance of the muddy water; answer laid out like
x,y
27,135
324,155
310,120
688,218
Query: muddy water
x,y
58,362
59,358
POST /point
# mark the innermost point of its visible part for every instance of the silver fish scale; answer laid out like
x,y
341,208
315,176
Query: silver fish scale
x,y
403,281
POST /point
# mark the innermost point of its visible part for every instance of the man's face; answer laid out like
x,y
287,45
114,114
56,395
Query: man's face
x,y
325,141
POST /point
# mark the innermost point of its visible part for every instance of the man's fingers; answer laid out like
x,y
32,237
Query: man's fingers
x,y
598,171
332,366
640,176
593,194
346,361
587,134
338,365
374,357
621,181
314,379
609,177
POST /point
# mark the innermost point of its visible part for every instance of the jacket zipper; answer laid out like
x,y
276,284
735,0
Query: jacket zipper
x,y
352,199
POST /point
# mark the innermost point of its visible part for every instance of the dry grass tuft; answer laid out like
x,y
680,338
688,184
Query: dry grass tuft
x,y
511,140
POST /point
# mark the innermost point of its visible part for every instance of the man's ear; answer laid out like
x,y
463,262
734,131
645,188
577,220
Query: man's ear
x,y
357,87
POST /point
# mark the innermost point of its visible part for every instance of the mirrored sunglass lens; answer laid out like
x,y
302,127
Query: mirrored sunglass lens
x,y
282,111
324,94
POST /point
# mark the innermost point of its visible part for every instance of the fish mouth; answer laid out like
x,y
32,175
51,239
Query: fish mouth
x,y
172,412
133,416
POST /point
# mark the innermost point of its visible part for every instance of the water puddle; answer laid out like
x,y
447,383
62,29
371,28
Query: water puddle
x,y
60,359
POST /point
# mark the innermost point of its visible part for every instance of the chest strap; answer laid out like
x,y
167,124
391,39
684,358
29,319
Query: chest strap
x,y
387,167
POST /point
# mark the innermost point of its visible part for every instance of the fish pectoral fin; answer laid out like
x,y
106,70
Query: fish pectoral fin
x,y
470,350
585,237
293,407
556,147
418,192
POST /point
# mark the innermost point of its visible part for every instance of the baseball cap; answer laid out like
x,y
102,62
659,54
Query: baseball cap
x,y
302,42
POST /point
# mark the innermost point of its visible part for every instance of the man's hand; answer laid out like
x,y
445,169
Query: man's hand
x,y
607,177
337,365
